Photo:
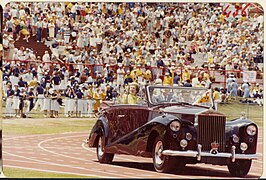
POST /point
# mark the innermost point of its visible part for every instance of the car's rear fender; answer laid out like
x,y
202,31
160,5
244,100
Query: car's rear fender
x,y
100,128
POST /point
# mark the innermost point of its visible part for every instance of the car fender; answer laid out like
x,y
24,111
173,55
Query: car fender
x,y
164,119
238,127
235,125
157,126
101,126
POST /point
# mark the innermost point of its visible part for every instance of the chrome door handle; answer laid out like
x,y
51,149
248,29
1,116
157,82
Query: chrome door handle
x,y
120,116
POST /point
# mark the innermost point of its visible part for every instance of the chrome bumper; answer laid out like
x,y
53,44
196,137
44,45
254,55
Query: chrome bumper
x,y
198,154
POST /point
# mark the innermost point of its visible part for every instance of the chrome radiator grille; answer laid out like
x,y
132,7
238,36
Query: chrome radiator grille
x,y
211,129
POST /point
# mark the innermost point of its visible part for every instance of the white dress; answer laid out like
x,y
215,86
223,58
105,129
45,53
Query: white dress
x,y
120,76
15,101
80,41
47,103
51,28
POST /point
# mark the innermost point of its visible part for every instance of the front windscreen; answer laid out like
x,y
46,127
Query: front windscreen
x,y
166,94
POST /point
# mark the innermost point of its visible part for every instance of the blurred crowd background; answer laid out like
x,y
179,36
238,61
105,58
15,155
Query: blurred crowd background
x,y
93,50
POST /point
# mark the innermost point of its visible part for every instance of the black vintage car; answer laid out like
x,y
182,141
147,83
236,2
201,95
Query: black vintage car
x,y
171,127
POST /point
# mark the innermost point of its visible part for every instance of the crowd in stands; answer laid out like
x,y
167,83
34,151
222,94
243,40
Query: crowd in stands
x,y
134,38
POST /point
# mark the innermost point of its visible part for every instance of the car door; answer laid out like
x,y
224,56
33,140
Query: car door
x,y
116,119
137,117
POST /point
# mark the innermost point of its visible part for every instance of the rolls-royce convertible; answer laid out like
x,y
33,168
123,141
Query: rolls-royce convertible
x,y
172,127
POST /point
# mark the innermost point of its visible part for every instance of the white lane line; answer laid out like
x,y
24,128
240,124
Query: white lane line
x,y
60,147
23,161
146,175
104,165
46,159
87,163
64,165
52,139
19,147
30,152
113,171
73,162
39,145
129,173
42,135
89,149
60,172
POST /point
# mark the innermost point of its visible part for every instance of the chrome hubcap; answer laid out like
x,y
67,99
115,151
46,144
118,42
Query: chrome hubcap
x,y
100,147
158,153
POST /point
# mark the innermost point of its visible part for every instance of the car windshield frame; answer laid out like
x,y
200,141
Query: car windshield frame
x,y
191,91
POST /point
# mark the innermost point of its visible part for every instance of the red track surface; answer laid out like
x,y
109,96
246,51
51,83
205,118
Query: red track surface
x,y
65,153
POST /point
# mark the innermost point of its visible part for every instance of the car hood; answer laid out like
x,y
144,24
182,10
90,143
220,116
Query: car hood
x,y
184,109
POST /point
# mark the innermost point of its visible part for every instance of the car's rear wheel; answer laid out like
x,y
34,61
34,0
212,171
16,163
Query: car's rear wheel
x,y
161,162
239,168
101,155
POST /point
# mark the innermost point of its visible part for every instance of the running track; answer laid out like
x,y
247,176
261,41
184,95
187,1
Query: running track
x,y
65,153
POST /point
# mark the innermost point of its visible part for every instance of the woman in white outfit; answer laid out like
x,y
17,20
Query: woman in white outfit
x,y
16,100
47,102
71,102
10,94
120,75
51,28
84,109
54,103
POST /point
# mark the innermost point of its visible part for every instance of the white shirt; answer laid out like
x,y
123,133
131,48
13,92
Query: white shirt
x,y
120,73
46,58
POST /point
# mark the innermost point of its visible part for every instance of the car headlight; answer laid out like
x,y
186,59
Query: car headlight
x,y
175,126
251,130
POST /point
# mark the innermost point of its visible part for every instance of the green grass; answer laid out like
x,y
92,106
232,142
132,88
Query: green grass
x,y
46,126
234,108
21,173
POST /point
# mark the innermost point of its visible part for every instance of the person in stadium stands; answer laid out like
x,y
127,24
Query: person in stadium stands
x,y
153,38
16,100
10,95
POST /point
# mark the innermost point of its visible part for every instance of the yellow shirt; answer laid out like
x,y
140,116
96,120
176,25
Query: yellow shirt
x,y
90,94
206,76
148,75
33,83
96,96
167,80
102,95
244,18
97,103
120,10
200,86
139,72
104,10
133,76
185,76
129,99
221,18
216,95
69,5
204,99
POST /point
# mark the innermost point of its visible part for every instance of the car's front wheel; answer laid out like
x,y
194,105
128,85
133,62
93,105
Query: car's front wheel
x,y
161,162
239,168
101,155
